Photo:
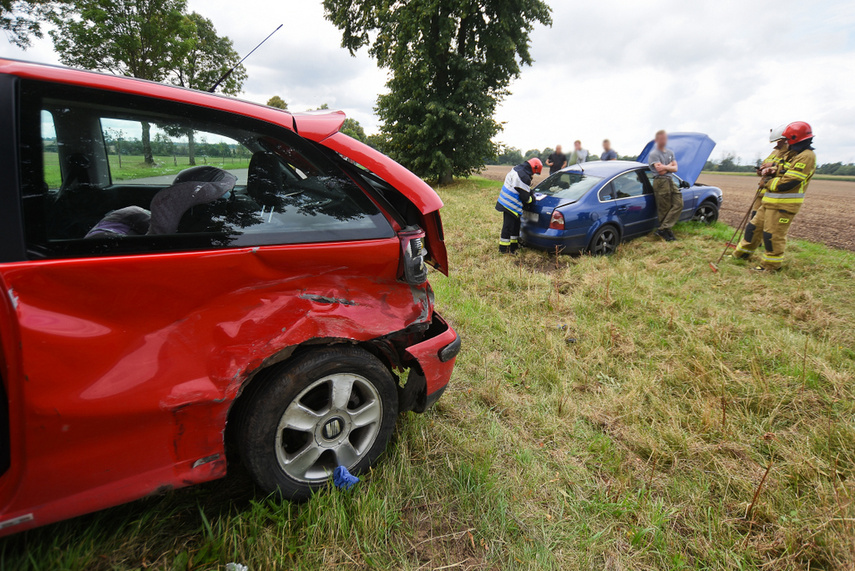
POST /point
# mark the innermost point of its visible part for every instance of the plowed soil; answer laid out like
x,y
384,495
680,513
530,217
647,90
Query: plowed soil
x,y
824,218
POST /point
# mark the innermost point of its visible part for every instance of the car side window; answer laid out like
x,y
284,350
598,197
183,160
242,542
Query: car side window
x,y
607,193
129,175
628,185
651,175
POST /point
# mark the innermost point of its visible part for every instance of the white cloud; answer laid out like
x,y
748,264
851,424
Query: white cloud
x,y
617,69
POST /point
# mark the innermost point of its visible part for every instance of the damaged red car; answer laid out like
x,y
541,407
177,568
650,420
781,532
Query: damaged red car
x,y
270,302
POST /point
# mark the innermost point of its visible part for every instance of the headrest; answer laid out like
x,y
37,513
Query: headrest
x,y
190,189
203,174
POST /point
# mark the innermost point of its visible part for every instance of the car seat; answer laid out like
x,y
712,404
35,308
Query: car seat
x,y
192,187
265,179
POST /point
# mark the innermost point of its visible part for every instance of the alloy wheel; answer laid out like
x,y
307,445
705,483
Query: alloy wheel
x,y
333,422
605,243
706,214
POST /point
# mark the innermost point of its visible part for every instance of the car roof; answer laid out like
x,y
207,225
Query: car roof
x,y
605,169
313,126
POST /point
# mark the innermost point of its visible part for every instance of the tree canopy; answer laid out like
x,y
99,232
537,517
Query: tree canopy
x,y
147,39
22,19
277,102
138,38
207,58
451,62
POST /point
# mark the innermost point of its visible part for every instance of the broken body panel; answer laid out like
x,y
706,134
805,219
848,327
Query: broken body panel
x,y
120,371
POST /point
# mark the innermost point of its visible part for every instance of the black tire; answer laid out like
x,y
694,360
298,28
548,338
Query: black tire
x,y
296,414
605,242
707,213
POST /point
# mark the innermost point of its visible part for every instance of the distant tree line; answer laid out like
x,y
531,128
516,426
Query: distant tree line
x,y
513,156
732,163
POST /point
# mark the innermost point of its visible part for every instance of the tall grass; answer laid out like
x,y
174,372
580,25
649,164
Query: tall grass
x,y
606,413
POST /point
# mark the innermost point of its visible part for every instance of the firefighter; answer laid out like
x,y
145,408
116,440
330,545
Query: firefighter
x,y
771,167
516,193
783,197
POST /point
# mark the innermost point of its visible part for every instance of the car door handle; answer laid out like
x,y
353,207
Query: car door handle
x,y
623,208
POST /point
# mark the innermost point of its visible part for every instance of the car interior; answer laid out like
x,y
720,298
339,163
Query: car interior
x,y
260,190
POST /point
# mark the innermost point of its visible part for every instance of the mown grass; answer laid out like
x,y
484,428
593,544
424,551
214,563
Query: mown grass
x,y
613,414
134,167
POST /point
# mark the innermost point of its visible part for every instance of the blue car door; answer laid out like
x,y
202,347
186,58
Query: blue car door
x,y
634,203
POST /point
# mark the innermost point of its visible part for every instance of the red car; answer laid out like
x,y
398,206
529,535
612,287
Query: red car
x,y
149,325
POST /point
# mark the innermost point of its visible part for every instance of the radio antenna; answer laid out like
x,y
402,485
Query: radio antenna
x,y
228,73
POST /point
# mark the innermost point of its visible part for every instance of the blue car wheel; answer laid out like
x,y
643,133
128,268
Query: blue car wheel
x,y
605,241
707,213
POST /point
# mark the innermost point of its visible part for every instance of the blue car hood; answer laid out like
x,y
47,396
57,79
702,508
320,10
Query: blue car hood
x,y
692,151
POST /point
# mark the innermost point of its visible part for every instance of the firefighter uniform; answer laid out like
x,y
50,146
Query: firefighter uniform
x,y
516,193
782,200
778,158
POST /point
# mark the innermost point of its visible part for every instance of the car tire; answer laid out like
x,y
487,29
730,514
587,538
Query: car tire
x,y
328,407
605,241
707,213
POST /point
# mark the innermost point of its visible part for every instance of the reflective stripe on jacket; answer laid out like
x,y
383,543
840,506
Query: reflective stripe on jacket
x,y
790,185
517,180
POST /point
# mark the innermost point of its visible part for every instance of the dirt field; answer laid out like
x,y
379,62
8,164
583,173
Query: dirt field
x,y
822,218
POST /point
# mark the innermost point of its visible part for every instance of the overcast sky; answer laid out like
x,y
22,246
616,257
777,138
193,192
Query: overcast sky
x,y
622,70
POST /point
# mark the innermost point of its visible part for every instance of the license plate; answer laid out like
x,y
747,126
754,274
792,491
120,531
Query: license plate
x,y
531,216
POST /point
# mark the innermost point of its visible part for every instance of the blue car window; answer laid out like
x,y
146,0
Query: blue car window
x,y
607,193
628,185
570,185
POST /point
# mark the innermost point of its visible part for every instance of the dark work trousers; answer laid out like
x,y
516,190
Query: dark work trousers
x,y
509,241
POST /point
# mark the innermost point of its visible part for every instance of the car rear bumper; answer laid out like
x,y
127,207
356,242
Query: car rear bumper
x,y
434,358
567,244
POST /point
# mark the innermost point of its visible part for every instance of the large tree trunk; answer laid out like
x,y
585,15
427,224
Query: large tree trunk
x,y
146,143
446,178
191,148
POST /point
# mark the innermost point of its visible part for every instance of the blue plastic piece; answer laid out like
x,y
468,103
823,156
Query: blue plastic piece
x,y
343,479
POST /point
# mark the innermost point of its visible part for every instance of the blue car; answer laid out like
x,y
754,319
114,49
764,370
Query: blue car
x,y
595,206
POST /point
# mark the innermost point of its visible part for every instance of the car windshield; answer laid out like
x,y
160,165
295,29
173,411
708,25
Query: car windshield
x,y
570,185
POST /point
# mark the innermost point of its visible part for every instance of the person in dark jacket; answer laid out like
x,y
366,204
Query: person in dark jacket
x,y
516,193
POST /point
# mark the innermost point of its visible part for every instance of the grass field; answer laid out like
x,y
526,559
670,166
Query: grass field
x,y
817,177
631,413
134,167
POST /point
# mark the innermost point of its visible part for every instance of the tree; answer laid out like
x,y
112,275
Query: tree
x,y
509,156
451,62
277,102
353,129
22,19
208,57
146,39
377,141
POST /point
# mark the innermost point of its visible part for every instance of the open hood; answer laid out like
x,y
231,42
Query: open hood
x,y
692,151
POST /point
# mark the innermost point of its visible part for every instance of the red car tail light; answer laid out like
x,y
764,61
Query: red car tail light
x,y
413,255
557,221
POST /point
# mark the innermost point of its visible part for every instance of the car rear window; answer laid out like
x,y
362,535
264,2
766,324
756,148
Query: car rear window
x,y
570,185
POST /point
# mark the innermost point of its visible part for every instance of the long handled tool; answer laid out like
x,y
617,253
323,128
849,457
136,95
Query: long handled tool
x,y
738,232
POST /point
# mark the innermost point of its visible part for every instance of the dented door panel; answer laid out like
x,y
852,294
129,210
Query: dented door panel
x,y
132,363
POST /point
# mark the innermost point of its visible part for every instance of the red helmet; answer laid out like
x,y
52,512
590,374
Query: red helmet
x,y
797,132
536,166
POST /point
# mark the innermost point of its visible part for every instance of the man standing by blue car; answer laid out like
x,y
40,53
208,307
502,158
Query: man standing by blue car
x,y
669,199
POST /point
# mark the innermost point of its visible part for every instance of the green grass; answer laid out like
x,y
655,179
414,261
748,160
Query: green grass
x,y
134,167
817,177
610,413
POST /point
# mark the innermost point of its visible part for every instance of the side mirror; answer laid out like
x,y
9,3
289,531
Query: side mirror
x,y
685,184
